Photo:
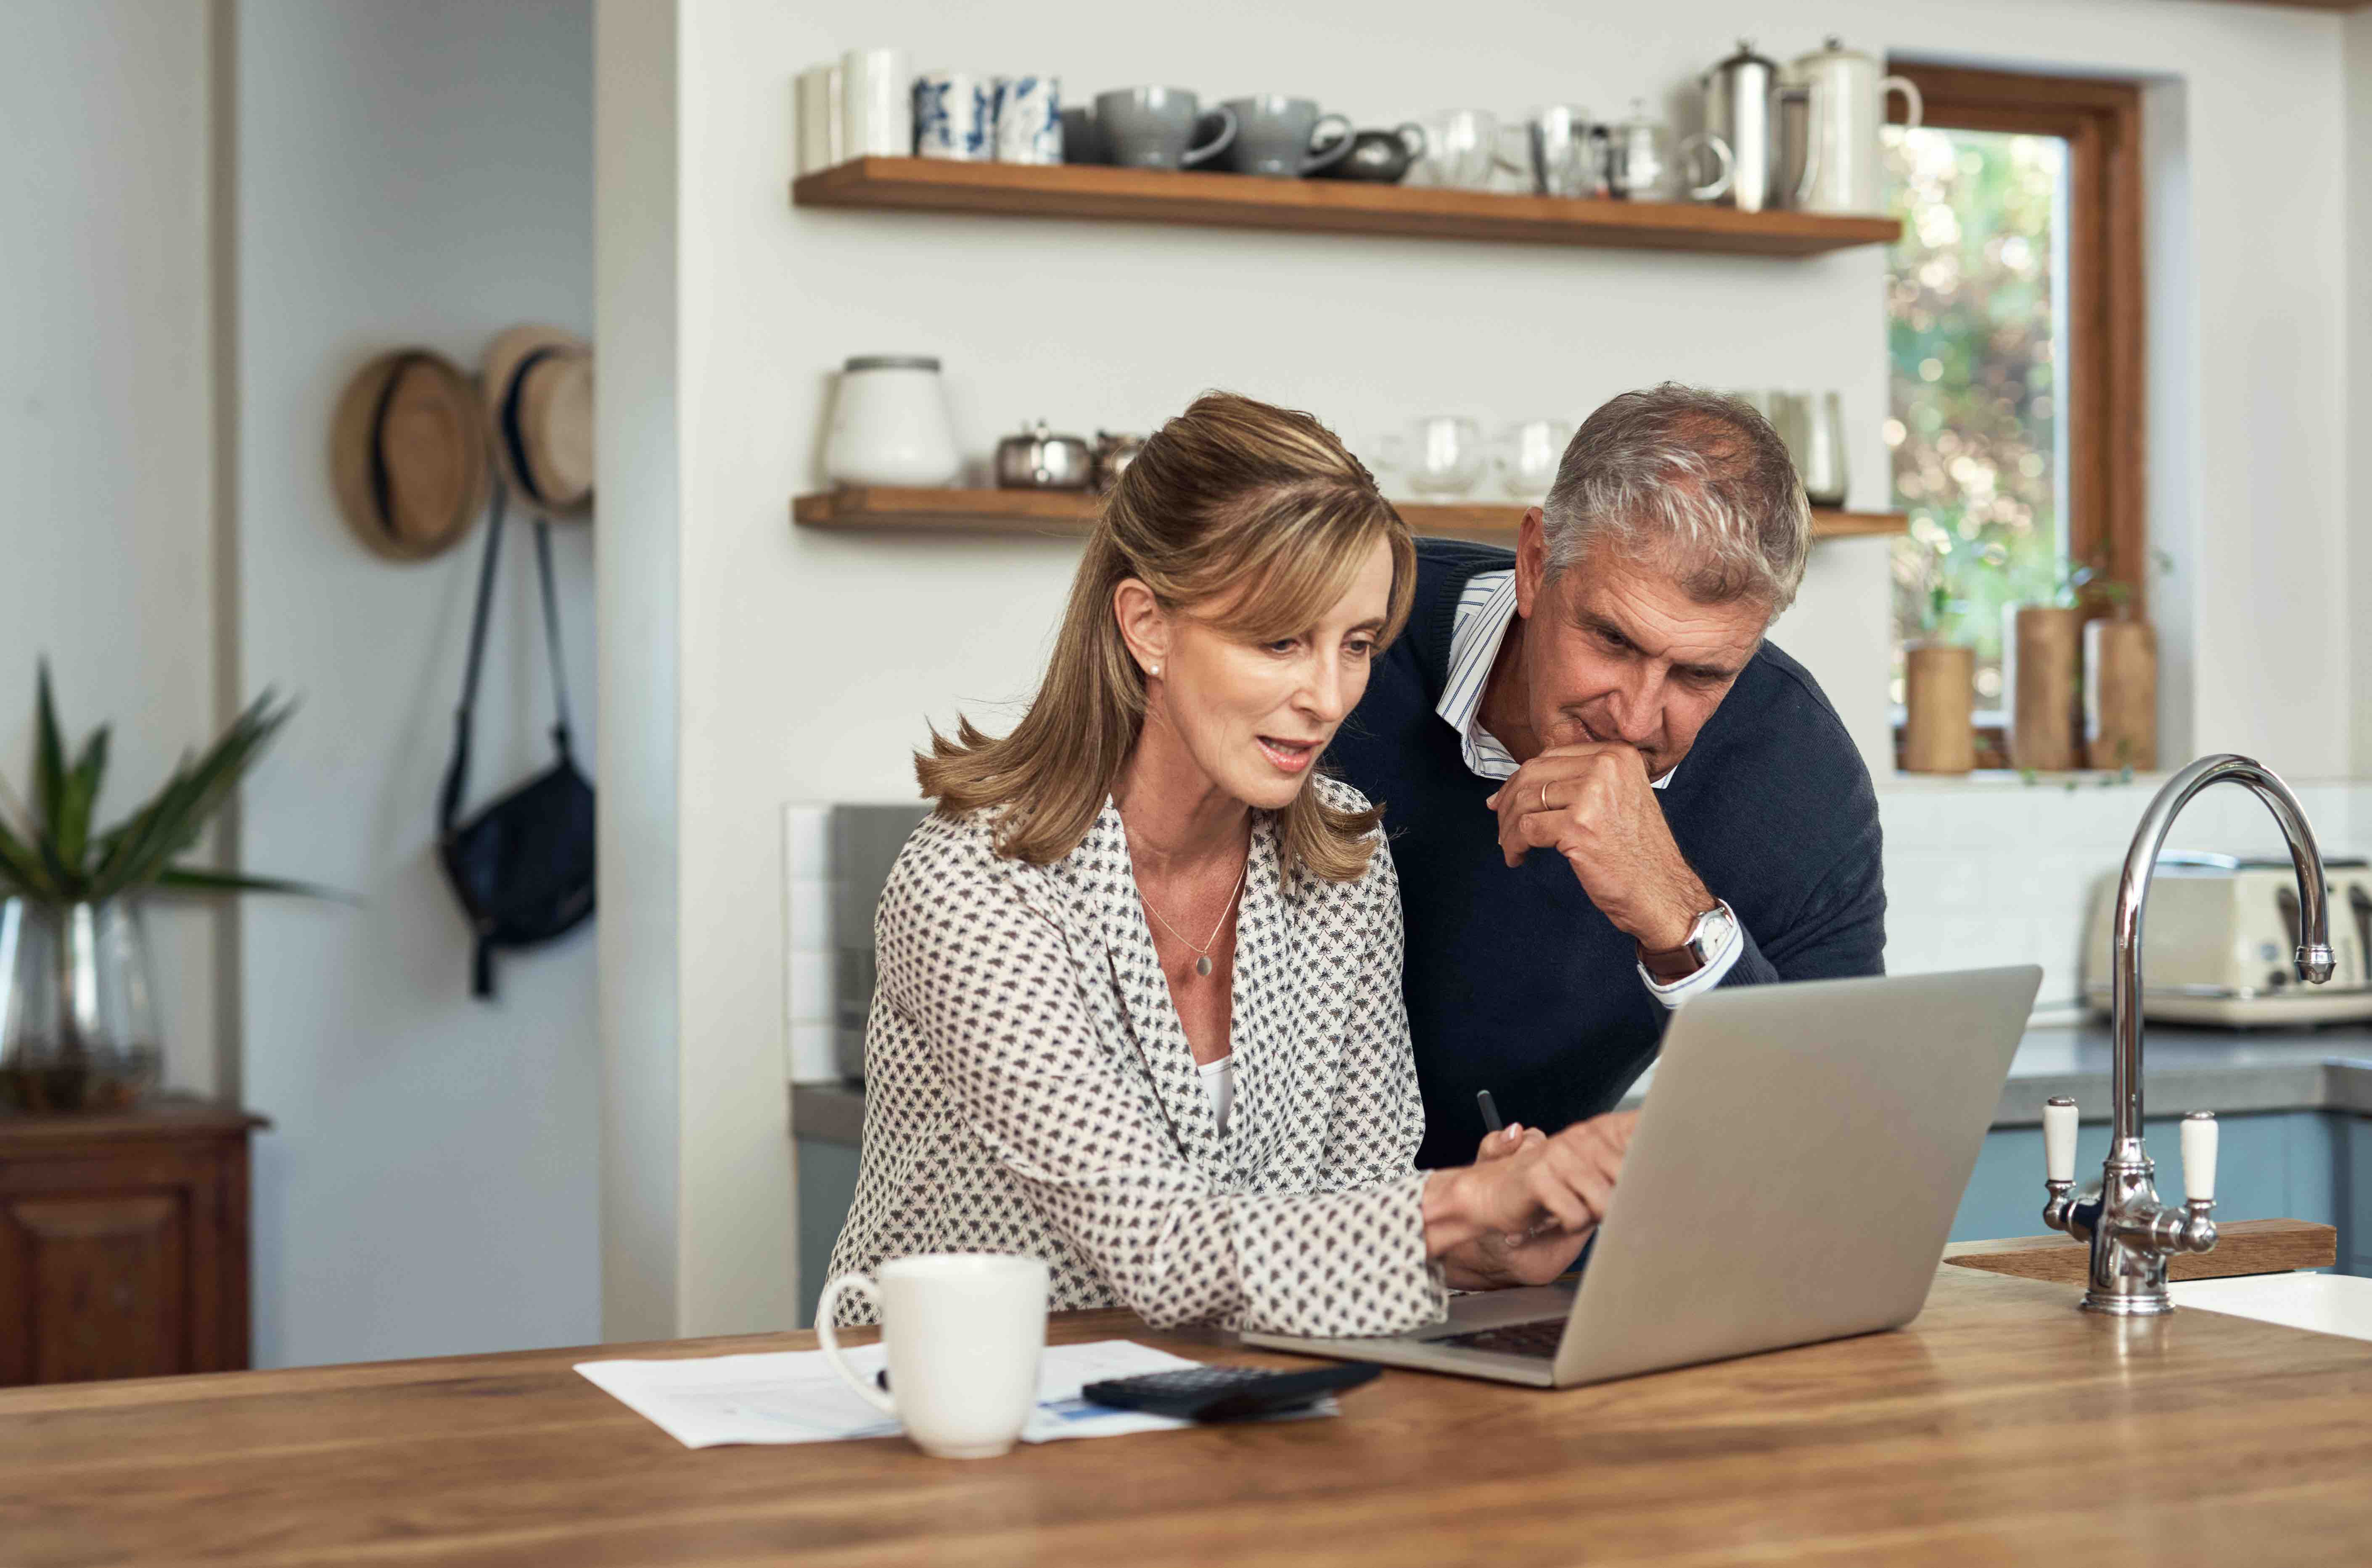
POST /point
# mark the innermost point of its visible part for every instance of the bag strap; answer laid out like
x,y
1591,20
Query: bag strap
x,y
551,636
457,773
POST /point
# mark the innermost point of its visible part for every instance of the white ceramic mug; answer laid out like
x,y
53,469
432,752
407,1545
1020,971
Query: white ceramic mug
x,y
877,104
963,1331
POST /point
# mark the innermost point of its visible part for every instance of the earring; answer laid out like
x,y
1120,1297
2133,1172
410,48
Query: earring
x,y
1155,671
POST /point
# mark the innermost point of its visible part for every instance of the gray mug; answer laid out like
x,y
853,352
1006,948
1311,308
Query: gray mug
x,y
1273,136
1156,128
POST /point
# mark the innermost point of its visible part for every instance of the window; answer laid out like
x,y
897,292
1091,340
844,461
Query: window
x,y
2014,335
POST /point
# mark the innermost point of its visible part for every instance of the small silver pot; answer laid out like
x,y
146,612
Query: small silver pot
x,y
1115,449
1036,459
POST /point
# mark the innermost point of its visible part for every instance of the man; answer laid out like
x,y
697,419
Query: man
x,y
1606,792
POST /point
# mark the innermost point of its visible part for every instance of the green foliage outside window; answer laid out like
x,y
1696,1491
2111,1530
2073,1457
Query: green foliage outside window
x,y
1975,314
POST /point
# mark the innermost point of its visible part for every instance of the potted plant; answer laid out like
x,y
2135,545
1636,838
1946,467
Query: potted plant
x,y
2120,679
77,1012
2042,674
1939,732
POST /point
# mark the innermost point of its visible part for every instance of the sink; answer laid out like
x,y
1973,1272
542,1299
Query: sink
x,y
2327,1304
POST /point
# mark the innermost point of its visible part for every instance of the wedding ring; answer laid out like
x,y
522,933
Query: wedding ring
x,y
1544,797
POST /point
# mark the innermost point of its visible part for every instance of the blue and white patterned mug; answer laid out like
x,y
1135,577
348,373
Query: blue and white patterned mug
x,y
952,116
1029,119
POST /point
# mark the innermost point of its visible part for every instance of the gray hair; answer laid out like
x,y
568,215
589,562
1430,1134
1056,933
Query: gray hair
x,y
1689,480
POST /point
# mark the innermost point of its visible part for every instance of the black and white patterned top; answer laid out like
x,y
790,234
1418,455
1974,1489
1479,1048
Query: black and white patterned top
x,y
1028,1089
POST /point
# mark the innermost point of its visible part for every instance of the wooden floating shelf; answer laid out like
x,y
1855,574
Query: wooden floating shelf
x,y
1071,512
1325,206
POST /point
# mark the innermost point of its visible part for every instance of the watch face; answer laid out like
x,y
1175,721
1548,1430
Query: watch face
x,y
1713,931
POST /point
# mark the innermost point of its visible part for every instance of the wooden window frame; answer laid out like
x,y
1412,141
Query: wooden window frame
x,y
2101,395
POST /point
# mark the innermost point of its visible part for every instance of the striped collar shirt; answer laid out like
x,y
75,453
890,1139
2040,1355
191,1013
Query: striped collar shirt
x,y
1486,607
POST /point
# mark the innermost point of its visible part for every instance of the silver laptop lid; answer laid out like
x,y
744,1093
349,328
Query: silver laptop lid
x,y
1797,1167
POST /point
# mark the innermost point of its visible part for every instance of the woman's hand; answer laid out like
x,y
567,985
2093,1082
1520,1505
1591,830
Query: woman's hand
x,y
1529,1202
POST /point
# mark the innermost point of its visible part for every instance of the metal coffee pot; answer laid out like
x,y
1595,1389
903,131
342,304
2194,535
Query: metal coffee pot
x,y
1745,101
1115,449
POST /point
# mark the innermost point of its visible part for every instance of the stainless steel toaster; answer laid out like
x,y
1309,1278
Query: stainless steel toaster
x,y
2219,939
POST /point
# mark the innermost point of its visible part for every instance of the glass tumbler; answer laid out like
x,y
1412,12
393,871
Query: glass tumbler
x,y
1440,455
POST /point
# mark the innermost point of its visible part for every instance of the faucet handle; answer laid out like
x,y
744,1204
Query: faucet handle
x,y
2058,1139
2199,1156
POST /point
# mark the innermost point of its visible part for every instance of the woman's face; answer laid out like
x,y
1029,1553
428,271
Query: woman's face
x,y
1255,717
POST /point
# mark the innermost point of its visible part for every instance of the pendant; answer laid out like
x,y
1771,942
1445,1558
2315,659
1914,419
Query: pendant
x,y
1202,964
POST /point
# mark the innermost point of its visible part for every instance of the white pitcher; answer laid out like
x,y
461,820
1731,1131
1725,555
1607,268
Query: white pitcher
x,y
1848,106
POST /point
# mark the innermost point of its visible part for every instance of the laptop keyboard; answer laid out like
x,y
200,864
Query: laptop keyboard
x,y
1538,1340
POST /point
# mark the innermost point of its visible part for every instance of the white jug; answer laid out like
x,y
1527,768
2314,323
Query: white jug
x,y
1848,106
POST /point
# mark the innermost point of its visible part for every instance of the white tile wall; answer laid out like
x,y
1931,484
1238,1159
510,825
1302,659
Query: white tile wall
x,y
1995,871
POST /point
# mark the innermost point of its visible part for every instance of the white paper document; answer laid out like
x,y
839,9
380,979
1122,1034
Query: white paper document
x,y
795,1397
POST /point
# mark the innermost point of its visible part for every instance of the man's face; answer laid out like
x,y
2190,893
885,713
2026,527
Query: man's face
x,y
1614,651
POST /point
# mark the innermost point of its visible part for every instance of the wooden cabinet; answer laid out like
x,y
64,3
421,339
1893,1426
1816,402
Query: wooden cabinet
x,y
124,1247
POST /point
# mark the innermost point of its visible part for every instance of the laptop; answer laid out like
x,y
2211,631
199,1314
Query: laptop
x,y
1793,1178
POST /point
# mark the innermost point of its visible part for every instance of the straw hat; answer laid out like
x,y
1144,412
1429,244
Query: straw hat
x,y
408,454
539,393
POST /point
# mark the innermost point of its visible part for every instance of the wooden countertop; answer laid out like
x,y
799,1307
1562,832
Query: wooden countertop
x,y
2002,1425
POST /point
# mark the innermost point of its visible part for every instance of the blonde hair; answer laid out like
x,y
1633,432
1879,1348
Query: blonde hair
x,y
1256,518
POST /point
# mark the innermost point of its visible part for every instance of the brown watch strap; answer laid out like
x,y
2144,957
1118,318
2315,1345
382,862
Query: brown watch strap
x,y
1672,963
1676,963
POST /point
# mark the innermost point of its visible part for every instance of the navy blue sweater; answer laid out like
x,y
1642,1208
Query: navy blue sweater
x,y
1516,984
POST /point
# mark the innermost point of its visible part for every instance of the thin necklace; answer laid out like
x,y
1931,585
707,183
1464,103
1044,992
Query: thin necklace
x,y
1201,964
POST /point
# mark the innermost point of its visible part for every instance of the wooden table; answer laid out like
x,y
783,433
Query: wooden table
x,y
2002,1425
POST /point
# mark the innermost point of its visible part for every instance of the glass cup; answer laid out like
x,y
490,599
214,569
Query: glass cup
x,y
1443,454
1527,454
1461,150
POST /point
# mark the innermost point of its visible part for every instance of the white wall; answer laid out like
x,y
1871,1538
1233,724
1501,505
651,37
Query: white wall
x,y
106,418
2358,515
808,662
416,173
635,151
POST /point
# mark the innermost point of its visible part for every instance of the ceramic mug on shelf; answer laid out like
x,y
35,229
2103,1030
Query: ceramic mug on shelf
x,y
954,116
1028,117
819,107
877,102
1284,138
1161,128
962,1333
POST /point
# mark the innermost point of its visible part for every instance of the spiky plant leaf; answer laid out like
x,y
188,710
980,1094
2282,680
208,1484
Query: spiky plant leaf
x,y
21,870
194,880
48,754
70,828
175,819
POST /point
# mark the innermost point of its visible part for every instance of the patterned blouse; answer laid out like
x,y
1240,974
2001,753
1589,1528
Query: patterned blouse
x,y
1028,1089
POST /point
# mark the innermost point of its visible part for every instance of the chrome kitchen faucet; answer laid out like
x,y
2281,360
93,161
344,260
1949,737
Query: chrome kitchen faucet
x,y
2132,1233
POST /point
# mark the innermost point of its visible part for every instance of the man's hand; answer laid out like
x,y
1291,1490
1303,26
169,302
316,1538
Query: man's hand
x,y
1592,803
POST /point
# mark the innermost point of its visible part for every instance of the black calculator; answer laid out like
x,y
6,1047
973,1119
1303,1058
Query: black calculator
x,y
1228,1393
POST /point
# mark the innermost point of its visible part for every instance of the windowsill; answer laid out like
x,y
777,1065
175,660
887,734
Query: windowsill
x,y
1996,781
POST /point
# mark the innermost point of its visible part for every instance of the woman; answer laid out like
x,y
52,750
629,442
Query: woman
x,y
1138,1008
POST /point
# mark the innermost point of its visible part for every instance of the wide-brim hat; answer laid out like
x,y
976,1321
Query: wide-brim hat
x,y
408,454
537,383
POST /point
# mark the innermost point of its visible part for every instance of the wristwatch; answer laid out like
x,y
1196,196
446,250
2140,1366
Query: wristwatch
x,y
1713,931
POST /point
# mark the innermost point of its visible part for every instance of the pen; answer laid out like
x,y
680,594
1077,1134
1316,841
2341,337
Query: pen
x,y
1490,1122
